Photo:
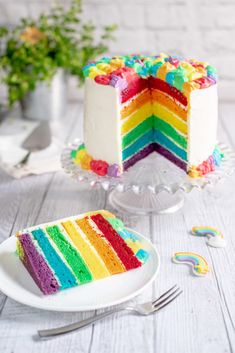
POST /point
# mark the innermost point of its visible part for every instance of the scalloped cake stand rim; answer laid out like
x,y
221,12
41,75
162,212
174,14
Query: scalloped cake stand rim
x,y
148,197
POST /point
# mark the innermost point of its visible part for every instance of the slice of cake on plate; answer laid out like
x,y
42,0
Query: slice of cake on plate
x,y
79,249
136,105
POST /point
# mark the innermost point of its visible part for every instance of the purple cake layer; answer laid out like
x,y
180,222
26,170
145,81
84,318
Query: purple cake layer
x,y
151,148
167,154
37,266
139,155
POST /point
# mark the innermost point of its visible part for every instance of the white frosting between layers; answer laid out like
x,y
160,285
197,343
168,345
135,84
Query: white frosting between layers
x,y
202,124
102,128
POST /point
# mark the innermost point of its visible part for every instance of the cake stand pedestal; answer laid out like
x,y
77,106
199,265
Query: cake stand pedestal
x,y
146,203
152,186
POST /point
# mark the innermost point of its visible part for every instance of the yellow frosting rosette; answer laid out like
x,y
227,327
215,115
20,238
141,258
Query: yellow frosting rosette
x,y
86,162
79,156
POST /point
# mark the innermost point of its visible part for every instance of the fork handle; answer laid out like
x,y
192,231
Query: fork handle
x,y
77,325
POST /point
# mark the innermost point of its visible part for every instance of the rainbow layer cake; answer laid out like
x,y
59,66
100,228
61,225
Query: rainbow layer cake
x,y
136,105
77,250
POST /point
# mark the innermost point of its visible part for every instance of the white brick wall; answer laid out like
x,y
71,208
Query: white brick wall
x,y
204,29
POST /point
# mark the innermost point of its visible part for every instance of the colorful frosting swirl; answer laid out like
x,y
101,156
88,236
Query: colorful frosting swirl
x,y
85,161
184,74
207,166
214,236
199,264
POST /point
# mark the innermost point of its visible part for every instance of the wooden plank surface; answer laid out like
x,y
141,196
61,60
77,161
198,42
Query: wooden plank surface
x,y
201,320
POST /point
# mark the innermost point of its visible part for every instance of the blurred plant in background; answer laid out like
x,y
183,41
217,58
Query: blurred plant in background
x,y
35,49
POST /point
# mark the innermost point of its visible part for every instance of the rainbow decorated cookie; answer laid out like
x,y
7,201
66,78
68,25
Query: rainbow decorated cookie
x,y
199,264
214,236
79,249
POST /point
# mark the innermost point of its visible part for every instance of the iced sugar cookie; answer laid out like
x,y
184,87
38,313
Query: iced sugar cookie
x,y
214,236
199,264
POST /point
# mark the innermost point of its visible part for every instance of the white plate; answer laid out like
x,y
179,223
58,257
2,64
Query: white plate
x,y
17,284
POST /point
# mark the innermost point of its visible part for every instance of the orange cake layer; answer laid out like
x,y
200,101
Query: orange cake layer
x,y
140,100
169,103
106,252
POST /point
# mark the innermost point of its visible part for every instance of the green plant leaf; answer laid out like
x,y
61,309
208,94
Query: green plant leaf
x,y
67,42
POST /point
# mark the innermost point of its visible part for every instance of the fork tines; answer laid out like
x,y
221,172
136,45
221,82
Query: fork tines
x,y
167,297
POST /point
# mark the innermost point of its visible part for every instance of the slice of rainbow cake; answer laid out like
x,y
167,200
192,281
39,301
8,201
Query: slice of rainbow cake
x,y
79,249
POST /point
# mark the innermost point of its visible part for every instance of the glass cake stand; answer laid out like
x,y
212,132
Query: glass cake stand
x,y
153,185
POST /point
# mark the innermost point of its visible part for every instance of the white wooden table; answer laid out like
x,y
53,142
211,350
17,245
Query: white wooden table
x,y
202,320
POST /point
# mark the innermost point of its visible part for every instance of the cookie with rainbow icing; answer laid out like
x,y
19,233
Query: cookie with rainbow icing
x,y
198,263
214,236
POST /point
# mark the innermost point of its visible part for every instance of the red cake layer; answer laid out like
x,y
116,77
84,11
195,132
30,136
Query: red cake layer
x,y
170,90
138,84
135,86
125,253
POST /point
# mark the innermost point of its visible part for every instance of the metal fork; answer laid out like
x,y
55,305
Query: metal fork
x,y
141,309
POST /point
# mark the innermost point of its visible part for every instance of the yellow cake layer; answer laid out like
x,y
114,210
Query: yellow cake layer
x,y
165,114
169,103
93,261
143,98
105,251
135,119
158,110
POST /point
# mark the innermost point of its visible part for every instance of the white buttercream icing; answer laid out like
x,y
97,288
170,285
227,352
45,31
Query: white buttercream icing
x,y
202,124
102,130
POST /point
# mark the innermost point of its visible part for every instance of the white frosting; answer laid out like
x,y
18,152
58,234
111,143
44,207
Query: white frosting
x,y
202,124
102,129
